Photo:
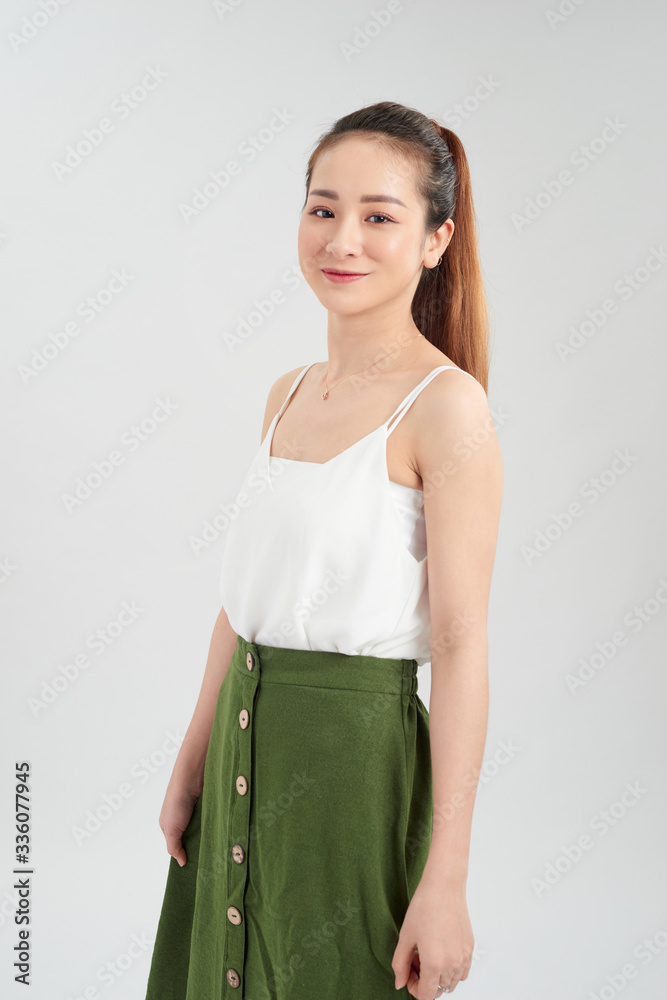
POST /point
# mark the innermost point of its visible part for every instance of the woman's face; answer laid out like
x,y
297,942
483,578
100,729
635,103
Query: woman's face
x,y
381,238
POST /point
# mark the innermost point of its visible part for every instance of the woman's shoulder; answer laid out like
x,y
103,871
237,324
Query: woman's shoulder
x,y
453,400
451,422
282,385
453,392
278,393
447,383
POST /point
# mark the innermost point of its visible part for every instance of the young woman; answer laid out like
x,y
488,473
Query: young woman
x,y
318,816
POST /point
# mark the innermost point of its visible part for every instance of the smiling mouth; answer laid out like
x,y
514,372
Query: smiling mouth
x,y
331,270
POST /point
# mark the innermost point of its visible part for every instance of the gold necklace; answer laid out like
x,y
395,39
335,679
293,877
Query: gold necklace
x,y
325,394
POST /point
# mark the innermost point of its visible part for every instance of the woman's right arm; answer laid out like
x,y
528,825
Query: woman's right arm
x,y
187,777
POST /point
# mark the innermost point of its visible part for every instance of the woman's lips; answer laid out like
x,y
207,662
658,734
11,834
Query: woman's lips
x,y
341,276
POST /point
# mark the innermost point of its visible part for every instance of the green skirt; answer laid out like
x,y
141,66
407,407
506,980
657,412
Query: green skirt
x,y
309,837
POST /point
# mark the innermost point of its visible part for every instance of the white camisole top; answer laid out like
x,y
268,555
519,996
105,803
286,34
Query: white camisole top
x,y
331,555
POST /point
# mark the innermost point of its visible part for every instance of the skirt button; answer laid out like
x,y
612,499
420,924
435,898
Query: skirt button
x,y
250,661
233,977
241,785
234,915
238,853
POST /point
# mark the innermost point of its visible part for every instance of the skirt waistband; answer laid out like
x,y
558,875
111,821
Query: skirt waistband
x,y
325,668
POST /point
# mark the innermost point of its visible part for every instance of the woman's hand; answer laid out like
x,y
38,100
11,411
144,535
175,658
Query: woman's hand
x,y
435,944
179,802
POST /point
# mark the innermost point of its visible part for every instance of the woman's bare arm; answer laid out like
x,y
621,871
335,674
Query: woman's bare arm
x,y
187,777
189,765
460,465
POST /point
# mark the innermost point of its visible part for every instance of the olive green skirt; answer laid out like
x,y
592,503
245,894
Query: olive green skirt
x,y
309,837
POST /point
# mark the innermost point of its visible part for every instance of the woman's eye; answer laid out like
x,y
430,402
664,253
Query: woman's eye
x,y
376,215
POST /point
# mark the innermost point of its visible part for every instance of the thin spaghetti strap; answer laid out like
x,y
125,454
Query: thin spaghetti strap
x,y
294,385
405,405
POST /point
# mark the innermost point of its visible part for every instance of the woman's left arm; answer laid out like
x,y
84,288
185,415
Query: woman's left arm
x,y
460,465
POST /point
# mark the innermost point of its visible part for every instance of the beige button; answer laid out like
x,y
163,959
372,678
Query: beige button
x,y
241,785
250,661
244,718
234,915
233,978
238,853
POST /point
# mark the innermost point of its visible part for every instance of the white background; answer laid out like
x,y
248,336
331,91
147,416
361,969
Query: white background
x,y
552,83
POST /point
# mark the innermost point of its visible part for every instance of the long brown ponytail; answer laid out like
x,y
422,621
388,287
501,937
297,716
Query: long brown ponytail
x,y
449,306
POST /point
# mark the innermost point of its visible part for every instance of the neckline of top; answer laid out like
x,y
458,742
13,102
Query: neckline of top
x,y
268,439
392,482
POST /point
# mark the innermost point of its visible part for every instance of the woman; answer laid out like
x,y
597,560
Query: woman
x,y
318,817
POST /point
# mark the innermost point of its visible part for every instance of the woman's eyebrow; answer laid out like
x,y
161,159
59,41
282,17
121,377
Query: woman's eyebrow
x,y
324,193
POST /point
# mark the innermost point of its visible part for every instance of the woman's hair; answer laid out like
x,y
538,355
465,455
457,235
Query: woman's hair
x,y
449,305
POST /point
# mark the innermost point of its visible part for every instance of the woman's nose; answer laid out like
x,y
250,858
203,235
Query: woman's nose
x,y
345,240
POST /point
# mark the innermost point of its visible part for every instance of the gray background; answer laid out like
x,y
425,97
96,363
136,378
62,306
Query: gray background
x,y
552,83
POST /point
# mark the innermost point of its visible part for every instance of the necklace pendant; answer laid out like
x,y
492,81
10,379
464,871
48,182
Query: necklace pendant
x,y
325,394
